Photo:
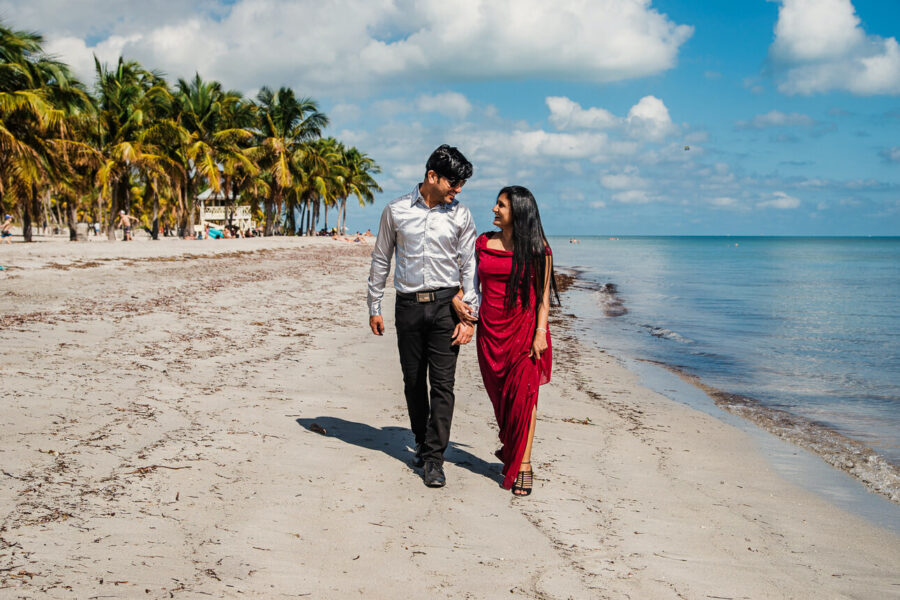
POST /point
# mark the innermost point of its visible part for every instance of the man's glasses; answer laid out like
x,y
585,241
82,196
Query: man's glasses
x,y
453,182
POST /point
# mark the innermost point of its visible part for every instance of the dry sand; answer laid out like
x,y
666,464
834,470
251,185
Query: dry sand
x,y
158,441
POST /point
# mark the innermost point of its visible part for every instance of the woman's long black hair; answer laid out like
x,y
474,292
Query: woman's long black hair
x,y
529,261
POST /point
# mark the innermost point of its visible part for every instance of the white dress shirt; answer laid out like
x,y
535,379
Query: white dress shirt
x,y
435,248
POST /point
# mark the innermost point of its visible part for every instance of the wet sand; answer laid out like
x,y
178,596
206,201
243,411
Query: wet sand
x,y
192,419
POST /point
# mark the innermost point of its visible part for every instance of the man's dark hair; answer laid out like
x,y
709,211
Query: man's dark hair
x,y
449,162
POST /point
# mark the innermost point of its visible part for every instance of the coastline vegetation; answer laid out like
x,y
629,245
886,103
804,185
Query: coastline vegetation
x,y
136,143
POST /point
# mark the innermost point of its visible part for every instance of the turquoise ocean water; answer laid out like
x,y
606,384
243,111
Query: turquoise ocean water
x,y
806,325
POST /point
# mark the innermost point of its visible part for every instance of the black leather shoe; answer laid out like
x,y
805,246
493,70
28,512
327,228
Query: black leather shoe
x,y
418,461
434,475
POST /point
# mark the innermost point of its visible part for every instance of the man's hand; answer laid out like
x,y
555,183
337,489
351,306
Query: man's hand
x,y
465,312
377,324
462,334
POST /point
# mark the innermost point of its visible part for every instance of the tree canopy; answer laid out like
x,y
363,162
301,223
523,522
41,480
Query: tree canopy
x,y
136,143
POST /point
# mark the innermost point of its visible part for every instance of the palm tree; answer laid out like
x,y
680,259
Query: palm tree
x,y
321,174
132,111
285,123
238,170
358,182
138,142
202,109
37,94
78,161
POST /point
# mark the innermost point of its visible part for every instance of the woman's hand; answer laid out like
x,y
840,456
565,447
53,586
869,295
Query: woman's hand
x,y
539,345
465,312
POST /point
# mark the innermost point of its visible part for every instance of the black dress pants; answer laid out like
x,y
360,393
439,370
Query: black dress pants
x,y
424,336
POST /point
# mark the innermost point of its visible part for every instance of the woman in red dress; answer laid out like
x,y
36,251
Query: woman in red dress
x,y
515,275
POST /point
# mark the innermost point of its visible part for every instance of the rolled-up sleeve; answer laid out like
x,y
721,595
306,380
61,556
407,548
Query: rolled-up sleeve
x,y
467,265
381,261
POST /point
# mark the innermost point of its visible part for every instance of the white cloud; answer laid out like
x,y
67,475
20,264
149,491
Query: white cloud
x,y
350,46
75,52
561,145
777,118
344,113
810,30
598,204
780,200
819,46
696,137
97,18
724,202
633,197
891,155
450,104
567,114
649,120
390,106
629,179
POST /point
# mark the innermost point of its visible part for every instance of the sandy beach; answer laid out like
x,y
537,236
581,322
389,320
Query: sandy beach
x,y
214,419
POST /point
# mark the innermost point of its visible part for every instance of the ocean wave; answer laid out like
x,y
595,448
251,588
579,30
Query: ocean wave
x,y
610,301
607,294
668,334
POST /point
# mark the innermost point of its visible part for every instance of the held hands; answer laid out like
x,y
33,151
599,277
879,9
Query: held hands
x,y
376,323
462,334
539,345
465,312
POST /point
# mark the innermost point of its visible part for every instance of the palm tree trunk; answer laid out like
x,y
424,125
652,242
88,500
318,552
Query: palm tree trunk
x,y
189,206
113,212
154,229
72,215
302,206
27,212
58,214
269,209
292,219
99,212
342,216
45,207
308,216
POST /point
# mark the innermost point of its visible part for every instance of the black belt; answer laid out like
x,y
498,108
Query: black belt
x,y
430,295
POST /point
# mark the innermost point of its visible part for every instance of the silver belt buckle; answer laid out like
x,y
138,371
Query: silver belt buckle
x,y
424,296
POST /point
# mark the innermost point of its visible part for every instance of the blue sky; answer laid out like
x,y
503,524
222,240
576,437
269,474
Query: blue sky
x,y
790,109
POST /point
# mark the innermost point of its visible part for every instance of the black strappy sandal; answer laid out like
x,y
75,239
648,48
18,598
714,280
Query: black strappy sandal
x,y
524,482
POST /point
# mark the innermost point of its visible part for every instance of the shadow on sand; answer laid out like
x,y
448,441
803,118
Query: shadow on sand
x,y
397,443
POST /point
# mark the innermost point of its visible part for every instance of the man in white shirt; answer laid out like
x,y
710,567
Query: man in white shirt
x,y
433,237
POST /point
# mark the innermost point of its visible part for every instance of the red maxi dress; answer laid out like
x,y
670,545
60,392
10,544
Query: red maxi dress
x,y
504,340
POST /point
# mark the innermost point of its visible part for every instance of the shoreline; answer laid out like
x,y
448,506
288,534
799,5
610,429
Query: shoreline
x,y
876,473
872,470
159,442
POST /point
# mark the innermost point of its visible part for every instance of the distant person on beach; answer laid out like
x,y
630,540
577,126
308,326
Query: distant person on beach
x,y
125,222
433,237
6,229
515,275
